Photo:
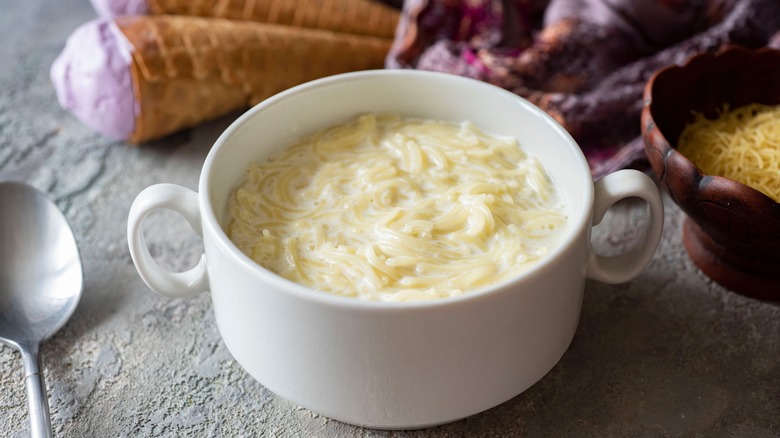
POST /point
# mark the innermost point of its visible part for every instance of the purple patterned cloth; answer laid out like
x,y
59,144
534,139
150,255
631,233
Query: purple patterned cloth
x,y
585,62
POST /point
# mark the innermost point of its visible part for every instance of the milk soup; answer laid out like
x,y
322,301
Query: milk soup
x,y
397,209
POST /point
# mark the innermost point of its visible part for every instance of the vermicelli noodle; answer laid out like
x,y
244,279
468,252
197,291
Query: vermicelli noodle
x,y
394,209
742,144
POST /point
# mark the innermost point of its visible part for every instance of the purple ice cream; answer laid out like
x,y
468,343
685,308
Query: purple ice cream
x,y
116,8
93,81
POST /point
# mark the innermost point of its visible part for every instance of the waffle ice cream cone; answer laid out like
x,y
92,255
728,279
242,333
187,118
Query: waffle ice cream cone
x,y
360,17
186,70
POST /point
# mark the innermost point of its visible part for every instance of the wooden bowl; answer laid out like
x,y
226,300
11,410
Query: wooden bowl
x,y
732,231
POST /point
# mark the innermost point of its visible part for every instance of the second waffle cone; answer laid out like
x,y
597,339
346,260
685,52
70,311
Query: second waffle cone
x,y
360,17
187,70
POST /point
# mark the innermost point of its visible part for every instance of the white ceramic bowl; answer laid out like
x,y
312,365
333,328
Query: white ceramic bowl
x,y
395,365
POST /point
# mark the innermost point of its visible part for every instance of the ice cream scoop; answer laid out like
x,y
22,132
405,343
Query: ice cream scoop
x,y
143,77
93,81
116,8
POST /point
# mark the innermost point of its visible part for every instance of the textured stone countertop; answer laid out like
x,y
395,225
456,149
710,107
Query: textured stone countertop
x,y
668,354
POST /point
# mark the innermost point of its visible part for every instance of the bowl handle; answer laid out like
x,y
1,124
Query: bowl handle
x,y
168,283
608,190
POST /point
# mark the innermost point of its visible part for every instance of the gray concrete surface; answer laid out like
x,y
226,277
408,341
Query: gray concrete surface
x,y
668,354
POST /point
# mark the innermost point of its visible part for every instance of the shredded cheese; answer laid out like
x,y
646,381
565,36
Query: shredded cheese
x,y
742,144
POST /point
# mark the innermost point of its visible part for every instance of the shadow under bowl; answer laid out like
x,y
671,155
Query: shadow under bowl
x,y
732,231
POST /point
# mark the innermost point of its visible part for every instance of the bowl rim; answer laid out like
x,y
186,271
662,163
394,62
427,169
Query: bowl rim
x,y
209,217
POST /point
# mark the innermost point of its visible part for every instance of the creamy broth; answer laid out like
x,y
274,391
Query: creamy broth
x,y
395,209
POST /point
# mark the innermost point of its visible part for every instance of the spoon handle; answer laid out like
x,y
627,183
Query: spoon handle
x,y
37,401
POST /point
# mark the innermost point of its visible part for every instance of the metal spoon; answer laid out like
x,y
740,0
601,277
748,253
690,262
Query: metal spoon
x,y
40,284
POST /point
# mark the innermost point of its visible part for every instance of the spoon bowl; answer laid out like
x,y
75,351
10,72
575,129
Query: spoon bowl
x,y
40,283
